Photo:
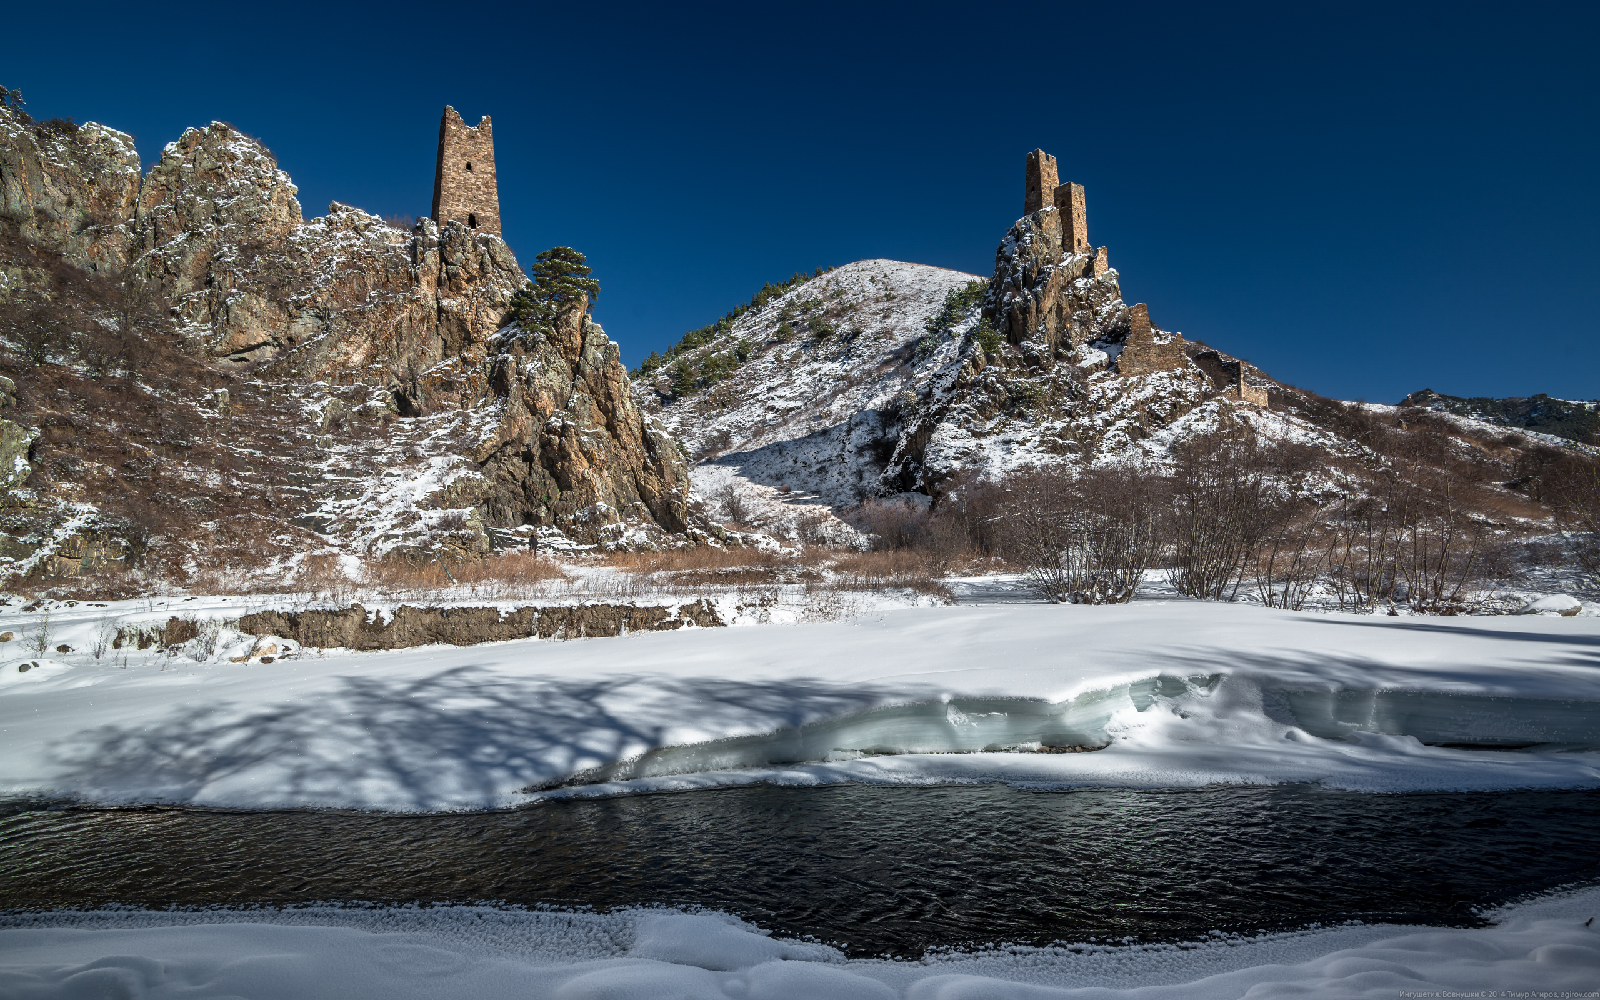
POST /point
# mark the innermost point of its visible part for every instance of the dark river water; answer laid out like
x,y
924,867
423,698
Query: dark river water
x,y
876,869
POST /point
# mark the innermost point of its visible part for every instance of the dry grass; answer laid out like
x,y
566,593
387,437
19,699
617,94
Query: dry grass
x,y
883,569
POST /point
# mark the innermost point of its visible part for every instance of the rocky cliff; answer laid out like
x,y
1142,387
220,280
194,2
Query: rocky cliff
x,y
402,416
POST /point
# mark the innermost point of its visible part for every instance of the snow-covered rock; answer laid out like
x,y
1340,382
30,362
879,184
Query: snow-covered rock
x,y
1555,604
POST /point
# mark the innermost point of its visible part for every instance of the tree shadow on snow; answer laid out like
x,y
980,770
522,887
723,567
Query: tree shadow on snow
x,y
449,740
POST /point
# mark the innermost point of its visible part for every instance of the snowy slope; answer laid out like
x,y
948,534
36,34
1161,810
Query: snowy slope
x,y
1181,694
802,423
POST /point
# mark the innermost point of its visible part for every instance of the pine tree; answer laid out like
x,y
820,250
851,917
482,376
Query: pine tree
x,y
684,380
561,276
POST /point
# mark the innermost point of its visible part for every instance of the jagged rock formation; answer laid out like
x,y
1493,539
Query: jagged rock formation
x,y
571,446
347,373
69,187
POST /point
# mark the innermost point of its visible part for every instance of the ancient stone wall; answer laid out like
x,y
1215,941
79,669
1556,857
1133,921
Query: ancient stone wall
x,y
1069,199
1041,182
1248,393
1228,375
464,183
1142,353
1100,265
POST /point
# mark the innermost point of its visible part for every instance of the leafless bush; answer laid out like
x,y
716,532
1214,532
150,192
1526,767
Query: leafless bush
x,y
1084,539
1410,540
1292,559
38,641
736,506
812,529
1569,484
939,536
885,569
1225,506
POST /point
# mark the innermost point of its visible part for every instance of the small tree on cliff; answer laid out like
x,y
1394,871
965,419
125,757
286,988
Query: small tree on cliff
x,y
561,276
11,98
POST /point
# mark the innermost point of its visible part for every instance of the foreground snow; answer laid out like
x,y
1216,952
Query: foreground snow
x,y
477,952
1180,694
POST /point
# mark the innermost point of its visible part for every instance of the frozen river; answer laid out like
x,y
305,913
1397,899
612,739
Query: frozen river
x,y
873,869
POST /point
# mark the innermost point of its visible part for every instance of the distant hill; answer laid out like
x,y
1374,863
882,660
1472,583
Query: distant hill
x,y
1573,419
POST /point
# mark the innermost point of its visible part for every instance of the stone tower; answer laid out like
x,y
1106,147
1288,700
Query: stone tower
x,y
1070,202
1042,181
464,186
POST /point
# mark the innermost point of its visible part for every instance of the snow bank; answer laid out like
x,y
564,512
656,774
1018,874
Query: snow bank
x,y
1179,694
480,953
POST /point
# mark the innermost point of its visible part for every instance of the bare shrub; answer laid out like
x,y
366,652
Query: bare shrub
x,y
1084,539
939,536
105,634
1224,506
1569,483
883,569
1410,540
735,505
1294,554
38,641
512,574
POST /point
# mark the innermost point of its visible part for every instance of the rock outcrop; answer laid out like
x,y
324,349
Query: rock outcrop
x,y
408,626
69,187
341,376
571,447
1045,299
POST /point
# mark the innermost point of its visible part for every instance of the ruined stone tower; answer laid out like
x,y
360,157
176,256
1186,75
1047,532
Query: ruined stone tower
x,y
1070,203
1042,181
1043,189
463,185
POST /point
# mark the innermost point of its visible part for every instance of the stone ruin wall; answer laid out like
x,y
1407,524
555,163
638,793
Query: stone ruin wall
x,y
1247,393
1040,183
1100,265
464,184
1142,354
1228,375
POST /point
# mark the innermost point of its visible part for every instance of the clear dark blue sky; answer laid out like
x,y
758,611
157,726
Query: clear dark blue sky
x,y
1361,199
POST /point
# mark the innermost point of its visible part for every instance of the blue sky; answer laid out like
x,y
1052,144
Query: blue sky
x,y
1361,199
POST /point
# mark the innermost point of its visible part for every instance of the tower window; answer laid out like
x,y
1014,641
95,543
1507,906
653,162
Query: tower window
x,y
469,166
472,222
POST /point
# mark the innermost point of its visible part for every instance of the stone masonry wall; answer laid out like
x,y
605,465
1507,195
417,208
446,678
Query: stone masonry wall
x,y
1142,354
464,183
1250,393
1069,199
1228,375
1101,264
1041,183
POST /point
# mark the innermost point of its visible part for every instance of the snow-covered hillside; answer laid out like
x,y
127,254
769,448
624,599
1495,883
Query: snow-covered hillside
x,y
830,366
